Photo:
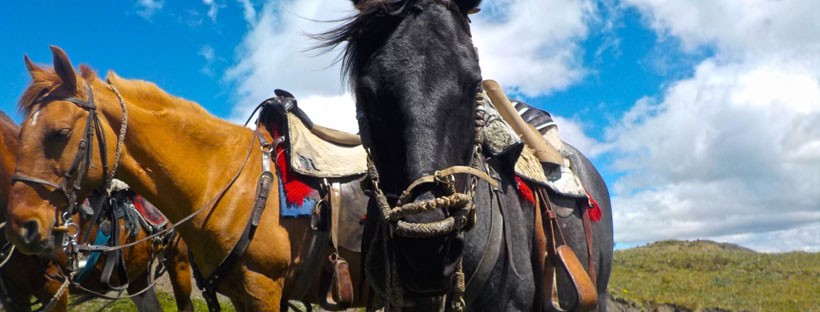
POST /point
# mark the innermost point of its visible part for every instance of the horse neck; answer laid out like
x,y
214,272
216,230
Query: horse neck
x,y
173,152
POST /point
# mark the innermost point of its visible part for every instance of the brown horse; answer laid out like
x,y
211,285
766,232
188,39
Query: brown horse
x,y
24,276
175,154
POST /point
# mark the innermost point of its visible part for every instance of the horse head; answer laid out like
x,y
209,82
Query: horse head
x,y
62,154
415,73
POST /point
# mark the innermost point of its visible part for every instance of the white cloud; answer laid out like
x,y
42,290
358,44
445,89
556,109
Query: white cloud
x,y
532,46
274,54
207,52
213,9
732,152
572,131
527,59
248,11
736,27
147,8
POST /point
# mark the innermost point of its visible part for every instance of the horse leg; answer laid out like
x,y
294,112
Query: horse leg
x,y
146,301
260,293
179,271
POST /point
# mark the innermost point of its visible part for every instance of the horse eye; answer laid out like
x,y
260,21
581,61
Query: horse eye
x,y
61,134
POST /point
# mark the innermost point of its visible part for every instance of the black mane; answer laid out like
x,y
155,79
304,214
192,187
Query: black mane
x,y
364,33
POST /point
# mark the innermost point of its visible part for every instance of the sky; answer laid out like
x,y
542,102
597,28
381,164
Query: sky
x,y
702,116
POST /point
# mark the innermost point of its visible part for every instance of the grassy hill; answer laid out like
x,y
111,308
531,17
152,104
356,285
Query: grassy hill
x,y
676,276
704,275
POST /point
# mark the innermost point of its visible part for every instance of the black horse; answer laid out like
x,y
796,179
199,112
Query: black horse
x,y
415,74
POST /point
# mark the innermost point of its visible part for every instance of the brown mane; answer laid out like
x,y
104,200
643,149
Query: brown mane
x,y
147,93
149,96
46,80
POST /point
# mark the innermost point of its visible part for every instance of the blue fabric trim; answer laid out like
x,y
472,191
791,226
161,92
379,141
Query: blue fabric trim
x,y
286,210
91,262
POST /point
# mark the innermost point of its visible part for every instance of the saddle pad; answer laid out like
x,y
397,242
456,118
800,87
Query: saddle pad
x,y
312,156
148,212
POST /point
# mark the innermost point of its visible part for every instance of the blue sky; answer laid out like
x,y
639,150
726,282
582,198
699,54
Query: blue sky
x,y
702,116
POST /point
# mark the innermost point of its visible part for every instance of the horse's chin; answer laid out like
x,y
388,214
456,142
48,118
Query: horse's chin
x,y
426,266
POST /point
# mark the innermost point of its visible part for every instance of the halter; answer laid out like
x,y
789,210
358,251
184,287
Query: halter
x,y
72,179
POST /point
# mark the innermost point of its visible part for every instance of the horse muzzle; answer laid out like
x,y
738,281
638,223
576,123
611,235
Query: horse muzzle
x,y
30,237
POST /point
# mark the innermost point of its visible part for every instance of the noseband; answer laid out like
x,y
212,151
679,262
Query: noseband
x,y
72,179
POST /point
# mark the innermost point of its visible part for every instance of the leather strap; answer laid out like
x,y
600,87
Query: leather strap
x,y
210,284
339,292
561,255
491,252
590,254
451,171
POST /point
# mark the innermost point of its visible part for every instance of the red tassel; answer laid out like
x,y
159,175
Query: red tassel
x,y
524,190
594,209
295,190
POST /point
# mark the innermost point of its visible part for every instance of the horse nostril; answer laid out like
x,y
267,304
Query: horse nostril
x,y
31,231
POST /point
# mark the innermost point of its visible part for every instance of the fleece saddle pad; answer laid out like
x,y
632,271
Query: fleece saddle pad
x,y
500,138
315,157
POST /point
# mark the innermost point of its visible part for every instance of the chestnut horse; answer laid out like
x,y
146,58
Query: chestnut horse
x,y
200,170
24,276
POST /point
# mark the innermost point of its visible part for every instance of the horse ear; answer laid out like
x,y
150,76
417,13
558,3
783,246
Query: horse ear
x,y
33,70
63,68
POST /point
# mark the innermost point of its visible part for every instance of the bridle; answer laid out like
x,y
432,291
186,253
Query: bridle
x,y
71,181
460,205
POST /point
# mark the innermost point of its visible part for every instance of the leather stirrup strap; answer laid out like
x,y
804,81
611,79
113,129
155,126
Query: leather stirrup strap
x,y
339,294
561,255
542,274
113,259
590,254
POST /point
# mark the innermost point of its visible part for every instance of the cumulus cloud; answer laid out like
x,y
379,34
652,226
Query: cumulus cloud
x,y
528,59
732,152
532,46
275,54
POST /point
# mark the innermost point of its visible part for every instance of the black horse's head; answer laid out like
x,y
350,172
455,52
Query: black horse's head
x,y
415,73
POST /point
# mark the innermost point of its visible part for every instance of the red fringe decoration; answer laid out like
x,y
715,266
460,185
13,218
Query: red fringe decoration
x,y
524,190
594,209
295,190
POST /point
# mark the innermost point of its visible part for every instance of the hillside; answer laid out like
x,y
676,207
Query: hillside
x,y
710,276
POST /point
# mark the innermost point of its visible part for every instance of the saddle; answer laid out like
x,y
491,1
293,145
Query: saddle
x,y
333,163
320,152
545,167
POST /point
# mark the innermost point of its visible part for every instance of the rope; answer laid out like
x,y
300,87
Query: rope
x,y
56,298
121,137
8,255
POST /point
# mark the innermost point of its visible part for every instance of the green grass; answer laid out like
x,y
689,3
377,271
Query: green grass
x,y
703,274
165,299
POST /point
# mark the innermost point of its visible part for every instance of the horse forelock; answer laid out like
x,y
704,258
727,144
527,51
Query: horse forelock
x,y
46,80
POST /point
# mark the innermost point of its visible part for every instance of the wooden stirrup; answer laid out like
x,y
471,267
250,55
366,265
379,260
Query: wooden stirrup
x,y
560,256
